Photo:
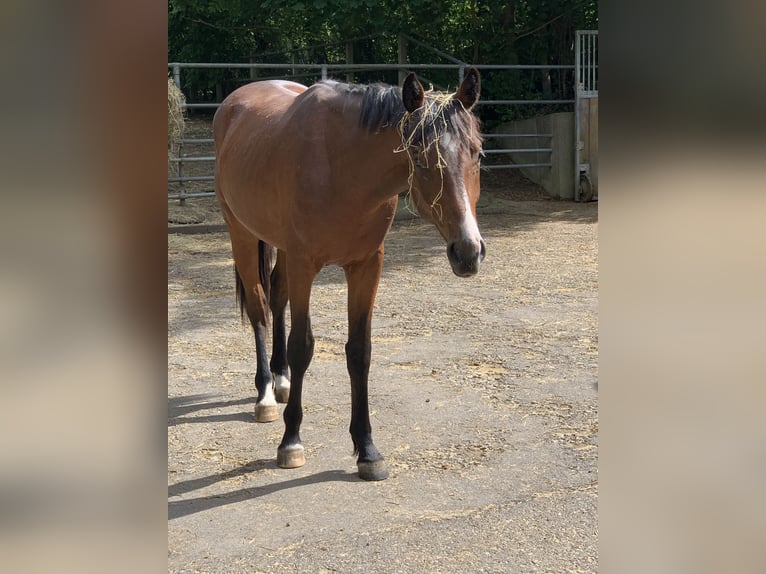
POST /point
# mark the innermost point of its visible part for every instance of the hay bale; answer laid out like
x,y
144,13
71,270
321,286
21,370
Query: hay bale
x,y
176,101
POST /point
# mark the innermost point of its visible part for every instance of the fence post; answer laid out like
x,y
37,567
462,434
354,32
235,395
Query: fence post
x,y
177,75
182,190
460,75
253,70
324,71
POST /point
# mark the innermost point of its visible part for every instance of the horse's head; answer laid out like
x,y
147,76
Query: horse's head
x,y
441,137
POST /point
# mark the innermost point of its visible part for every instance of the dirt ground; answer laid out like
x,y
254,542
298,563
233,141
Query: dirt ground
x,y
483,396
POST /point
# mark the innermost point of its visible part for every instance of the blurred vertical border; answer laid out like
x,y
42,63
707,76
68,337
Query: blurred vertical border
x,y
82,282
682,287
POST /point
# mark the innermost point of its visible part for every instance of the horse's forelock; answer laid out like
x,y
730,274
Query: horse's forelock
x,y
441,115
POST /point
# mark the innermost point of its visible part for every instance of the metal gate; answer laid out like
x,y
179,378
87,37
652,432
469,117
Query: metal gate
x,y
586,115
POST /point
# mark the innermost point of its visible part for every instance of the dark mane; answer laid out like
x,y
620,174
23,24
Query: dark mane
x,y
382,106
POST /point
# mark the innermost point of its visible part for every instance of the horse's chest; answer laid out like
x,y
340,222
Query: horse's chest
x,y
368,235
345,238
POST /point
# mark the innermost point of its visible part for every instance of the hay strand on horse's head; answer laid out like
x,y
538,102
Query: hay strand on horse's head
x,y
432,111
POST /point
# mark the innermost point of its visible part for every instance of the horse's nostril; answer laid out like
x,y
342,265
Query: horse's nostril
x,y
452,251
483,249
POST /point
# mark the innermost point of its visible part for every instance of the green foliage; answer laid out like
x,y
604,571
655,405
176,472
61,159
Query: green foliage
x,y
316,31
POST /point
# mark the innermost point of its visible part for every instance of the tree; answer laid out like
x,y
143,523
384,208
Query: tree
x,y
475,31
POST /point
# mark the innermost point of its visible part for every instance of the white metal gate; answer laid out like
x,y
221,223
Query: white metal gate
x,y
586,115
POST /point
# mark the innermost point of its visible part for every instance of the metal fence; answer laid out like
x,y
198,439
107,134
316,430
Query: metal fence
x,y
325,70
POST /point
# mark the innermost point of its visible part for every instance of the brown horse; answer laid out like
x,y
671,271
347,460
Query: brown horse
x,y
308,177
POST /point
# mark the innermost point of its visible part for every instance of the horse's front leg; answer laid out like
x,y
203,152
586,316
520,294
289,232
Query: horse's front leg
x,y
362,280
300,350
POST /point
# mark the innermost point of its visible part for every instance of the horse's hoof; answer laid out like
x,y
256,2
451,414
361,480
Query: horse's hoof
x,y
282,394
291,456
266,413
375,470
281,388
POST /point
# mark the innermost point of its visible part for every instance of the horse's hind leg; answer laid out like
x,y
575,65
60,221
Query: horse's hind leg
x,y
362,281
278,303
250,258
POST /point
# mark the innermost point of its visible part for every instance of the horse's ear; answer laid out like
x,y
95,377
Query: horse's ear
x,y
468,92
413,94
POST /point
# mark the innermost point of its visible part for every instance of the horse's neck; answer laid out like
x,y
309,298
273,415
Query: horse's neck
x,y
375,164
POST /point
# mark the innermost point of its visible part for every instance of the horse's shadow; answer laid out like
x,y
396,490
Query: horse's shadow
x,y
178,410
180,406
179,508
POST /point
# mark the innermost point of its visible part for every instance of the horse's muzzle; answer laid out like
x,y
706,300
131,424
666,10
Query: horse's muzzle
x,y
465,257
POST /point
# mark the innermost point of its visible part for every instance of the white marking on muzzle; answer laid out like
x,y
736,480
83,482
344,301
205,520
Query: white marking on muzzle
x,y
469,228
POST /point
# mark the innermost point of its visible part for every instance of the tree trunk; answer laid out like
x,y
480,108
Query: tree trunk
x,y
402,49
474,33
350,60
508,31
547,93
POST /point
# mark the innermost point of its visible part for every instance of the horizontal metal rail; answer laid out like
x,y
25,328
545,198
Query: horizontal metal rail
x,y
211,178
525,150
195,194
515,165
190,158
485,136
519,102
372,66
191,178
480,102
487,151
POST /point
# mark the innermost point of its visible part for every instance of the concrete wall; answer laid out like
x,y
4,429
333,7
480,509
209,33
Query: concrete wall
x,y
557,180
589,137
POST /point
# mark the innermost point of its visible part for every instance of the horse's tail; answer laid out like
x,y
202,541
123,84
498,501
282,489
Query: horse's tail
x,y
260,291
